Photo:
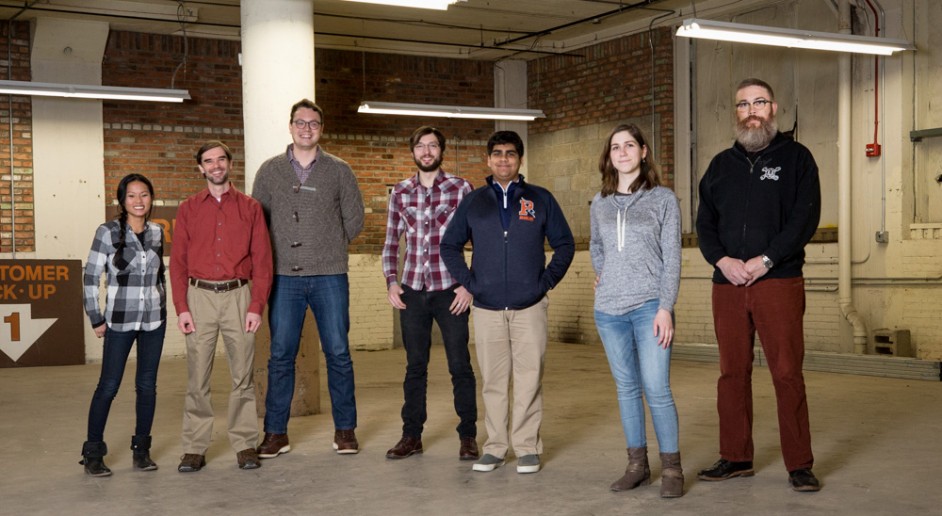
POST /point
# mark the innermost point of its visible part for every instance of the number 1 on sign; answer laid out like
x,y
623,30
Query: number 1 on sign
x,y
14,321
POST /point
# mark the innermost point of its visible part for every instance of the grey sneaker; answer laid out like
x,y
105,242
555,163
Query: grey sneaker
x,y
487,463
528,464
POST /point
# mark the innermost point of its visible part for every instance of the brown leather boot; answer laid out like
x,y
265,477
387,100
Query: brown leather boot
x,y
672,476
637,473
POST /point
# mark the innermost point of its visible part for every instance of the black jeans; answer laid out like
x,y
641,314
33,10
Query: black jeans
x,y
117,347
422,307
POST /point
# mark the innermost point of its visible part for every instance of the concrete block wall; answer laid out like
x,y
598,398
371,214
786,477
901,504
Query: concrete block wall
x,y
371,316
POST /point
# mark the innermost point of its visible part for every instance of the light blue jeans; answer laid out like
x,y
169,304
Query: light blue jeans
x,y
638,362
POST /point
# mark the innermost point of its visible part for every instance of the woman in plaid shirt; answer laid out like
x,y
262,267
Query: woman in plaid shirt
x,y
130,250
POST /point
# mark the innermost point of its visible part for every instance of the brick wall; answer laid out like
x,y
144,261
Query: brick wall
x,y
611,84
159,140
14,60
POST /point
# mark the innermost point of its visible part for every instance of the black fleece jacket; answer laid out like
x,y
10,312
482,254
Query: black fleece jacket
x,y
508,267
767,203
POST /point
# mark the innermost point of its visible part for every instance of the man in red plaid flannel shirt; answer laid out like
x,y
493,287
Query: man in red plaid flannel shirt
x,y
420,209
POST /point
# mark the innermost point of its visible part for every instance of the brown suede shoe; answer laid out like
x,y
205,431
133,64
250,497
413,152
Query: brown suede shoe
x,y
405,447
345,442
191,462
273,445
469,449
248,459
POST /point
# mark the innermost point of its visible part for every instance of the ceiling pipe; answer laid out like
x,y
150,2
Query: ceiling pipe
x,y
589,19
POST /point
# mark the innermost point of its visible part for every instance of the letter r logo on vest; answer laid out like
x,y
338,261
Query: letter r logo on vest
x,y
526,210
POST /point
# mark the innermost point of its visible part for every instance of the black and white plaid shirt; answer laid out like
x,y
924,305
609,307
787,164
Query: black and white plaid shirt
x,y
137,295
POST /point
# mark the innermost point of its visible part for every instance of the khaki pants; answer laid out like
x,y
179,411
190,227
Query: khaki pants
x,y
214,314
512,343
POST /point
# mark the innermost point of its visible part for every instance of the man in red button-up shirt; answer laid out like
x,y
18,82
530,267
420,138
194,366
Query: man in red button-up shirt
x,y
221,274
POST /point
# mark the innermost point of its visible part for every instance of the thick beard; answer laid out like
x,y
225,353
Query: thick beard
x,y
428,168
754,139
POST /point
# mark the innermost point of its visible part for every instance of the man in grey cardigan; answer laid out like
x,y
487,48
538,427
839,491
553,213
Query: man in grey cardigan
x,y
314,209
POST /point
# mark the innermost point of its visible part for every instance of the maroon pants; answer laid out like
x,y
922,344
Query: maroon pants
x,y
774,308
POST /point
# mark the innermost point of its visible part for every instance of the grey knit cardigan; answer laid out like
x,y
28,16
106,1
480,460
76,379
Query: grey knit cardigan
x,y
311,224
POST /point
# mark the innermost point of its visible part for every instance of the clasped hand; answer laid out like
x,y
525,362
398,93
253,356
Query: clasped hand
x,y
742,273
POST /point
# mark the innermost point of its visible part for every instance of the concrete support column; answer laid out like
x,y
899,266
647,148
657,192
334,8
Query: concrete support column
x,y
277,71
68,141
68,144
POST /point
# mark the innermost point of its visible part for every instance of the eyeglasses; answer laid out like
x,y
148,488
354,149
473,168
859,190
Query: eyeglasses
x,y
758,104
313,124
421,147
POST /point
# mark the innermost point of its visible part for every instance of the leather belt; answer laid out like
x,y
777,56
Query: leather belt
x,y
218,287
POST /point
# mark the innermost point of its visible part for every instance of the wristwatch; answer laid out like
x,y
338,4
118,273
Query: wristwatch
x,y
767,262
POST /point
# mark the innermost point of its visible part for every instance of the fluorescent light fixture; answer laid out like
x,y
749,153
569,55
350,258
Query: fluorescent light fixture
x,y
792,38
88,91
154,10
440,5
396,108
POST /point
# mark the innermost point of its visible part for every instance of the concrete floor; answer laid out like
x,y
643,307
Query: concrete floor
x,y
876,443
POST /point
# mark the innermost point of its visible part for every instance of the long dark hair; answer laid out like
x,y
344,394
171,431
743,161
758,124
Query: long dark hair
x,y
122,218
647,179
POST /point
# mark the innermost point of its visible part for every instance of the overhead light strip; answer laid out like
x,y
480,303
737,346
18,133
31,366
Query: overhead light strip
x,y
440,5
88,91
791,38
430,110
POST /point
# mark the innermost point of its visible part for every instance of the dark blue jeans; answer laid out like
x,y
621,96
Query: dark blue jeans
x,y
117,347
422,308
329,299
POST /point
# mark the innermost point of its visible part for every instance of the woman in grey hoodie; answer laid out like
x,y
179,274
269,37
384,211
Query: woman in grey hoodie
x,y
635,250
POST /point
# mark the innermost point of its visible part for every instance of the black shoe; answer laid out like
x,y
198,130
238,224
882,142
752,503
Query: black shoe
x,y
93,454
724,469
803,480
140,445
143,462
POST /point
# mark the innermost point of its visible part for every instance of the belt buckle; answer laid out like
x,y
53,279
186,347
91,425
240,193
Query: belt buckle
x,y
220,287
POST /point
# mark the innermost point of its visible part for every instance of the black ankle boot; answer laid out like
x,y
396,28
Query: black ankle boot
x,y
93,453
140,445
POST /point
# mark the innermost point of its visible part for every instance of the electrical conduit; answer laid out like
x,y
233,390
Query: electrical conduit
x,y
844,228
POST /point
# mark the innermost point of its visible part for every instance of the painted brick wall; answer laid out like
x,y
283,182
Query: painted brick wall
x,y
18,179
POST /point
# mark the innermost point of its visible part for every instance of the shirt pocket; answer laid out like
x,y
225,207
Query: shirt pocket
x,y
443,214
410,217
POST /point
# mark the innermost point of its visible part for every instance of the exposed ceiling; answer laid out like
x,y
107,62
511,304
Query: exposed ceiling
x,y
475,29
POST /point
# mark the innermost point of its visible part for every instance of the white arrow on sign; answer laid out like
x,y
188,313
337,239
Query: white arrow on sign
x,y
19,331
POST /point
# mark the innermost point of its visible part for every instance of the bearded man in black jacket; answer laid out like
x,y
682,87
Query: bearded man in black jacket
x,y
760,203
